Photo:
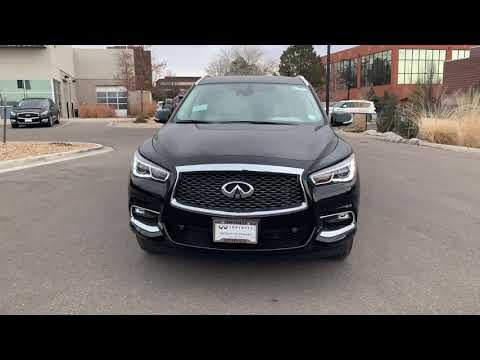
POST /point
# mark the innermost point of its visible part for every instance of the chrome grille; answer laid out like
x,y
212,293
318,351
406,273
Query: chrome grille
x,y
273,192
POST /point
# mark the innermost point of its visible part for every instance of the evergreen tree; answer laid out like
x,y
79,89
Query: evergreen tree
x,y
302,60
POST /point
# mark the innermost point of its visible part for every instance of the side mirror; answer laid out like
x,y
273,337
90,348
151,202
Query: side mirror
x,y
341,119
162,116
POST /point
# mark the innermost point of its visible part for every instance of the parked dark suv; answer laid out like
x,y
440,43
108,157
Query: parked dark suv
x,y
246,164
41,111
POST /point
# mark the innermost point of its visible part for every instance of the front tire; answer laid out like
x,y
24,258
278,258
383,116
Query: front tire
x,y
14,126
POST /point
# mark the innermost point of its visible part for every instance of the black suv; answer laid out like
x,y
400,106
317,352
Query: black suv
x,y
246,163
41,111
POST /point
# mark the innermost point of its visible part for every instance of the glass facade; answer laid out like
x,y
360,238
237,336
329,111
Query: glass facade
x,y
376,69
417,66
114,96
346,74
460,54
16,90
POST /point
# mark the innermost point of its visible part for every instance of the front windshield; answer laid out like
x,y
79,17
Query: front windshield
x,y
33,103
250,102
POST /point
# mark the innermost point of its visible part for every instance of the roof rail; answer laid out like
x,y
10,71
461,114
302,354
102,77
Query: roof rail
x,y
303,79
203,77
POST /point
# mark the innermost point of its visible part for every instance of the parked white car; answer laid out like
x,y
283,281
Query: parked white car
x,y
354,106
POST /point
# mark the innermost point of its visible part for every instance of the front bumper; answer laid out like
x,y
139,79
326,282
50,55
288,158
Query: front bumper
x,y
305,229
29,121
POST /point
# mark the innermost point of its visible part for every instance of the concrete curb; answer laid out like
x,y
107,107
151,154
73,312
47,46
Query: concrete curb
x,y
18,164
422,143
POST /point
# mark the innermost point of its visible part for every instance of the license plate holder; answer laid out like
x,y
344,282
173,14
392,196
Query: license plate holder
x,y
235,231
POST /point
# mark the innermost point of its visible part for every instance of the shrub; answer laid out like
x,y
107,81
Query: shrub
x,y
150,109
96,111
140,119
457,125
387,109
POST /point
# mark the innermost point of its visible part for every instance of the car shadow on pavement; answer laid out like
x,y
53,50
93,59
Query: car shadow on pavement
x,y
298,269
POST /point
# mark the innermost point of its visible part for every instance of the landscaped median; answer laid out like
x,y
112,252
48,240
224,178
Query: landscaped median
x,y
20,155
147,122
390,136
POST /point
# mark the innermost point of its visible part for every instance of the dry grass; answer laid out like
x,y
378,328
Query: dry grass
x,y
453,125
96,111
11,151
148,123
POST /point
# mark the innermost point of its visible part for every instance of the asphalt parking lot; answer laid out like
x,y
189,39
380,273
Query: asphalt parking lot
x,y
66,247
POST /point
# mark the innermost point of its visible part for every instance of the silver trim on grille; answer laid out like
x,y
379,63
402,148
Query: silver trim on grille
x,y
147,230
36,116
335,235
239,167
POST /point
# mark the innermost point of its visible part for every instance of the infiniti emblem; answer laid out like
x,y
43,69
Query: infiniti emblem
x,y
237,189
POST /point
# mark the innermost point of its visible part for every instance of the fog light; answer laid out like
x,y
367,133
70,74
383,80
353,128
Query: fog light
x,y
336,226
336,221
145,216
44,120
139,211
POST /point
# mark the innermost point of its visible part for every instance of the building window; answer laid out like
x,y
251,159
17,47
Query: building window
x,y
460,54
420,66
376,69
19,84
346,74
115,97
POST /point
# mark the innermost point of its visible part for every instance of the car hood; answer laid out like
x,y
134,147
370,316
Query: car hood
x,y
280,145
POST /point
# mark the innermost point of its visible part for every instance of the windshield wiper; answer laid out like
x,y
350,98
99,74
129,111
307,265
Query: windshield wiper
x,y
233,122
258,122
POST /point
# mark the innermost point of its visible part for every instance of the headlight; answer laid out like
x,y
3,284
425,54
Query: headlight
x,y
45,113
143,168
342,172
13,114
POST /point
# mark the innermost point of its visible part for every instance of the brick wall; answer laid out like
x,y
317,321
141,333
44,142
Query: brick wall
x,y
402,91
459,75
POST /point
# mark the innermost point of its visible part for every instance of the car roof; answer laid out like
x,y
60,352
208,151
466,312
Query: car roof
x,y
361,100
251,79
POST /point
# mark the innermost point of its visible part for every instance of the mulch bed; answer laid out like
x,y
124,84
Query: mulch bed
x,y
11,151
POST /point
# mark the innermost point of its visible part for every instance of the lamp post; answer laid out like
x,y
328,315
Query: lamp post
x,y
327,92
3,101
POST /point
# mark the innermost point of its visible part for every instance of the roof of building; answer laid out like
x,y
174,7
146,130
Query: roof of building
x,y
252,79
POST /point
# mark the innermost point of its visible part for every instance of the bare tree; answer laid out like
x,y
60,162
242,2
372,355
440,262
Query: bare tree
x,y
220,65
126,70
241,60
158,70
